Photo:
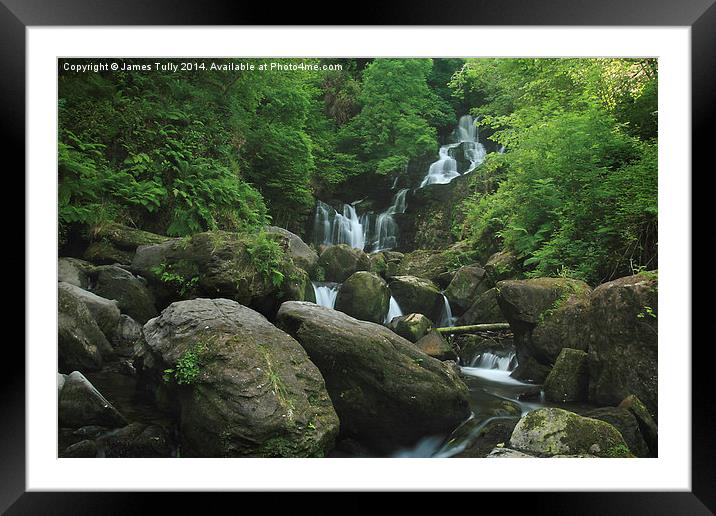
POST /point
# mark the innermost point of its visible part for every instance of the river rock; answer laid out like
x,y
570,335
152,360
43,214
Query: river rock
x,y
74,271
507,453
338,262
426,264
467,284
435,345
219,264
364,296
244,388
80,341
82,449
411,326
61,378
386,391
546,315
302,255
81,404
417,295
626,423
553,431
135,440
492,433
115,243
501,266
483,310
647,425
104,311
132,295
568,379
623,347
126,335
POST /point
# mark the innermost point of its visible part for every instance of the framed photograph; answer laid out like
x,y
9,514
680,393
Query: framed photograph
x,y
371,257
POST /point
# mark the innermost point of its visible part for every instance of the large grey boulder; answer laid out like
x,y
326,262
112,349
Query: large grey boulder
x,y
411,326
115,243
568,379
626,423
302,255
74,271
623,345
81,404
243,387
338,262
386,392
364,296
80,341
467,284
484,309
132,295
104,311
553,432
417,295
435,345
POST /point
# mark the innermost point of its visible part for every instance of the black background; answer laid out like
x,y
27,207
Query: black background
x,y
15,15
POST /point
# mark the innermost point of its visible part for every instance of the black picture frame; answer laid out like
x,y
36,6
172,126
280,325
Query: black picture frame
x,y
699,15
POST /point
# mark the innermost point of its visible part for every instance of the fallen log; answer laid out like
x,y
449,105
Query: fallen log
x,y
474,328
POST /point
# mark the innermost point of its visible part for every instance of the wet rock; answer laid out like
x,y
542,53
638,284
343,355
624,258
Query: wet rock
x,y
626,423
435,345
411,326
386,391
484,309
338,262
243,387
364,296
105,312
115,243
135,440
507,453
132,295
529,370
646,423
467,284
81,404
568,379
501,266
302,255
553,431
82,449
425,264
74,271
623,344
79,338
126,335
489,436
417,295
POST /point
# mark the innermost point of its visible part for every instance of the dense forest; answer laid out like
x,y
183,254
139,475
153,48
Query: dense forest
x,y
358,257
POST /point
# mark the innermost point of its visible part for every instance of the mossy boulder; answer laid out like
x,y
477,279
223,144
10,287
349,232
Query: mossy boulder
x,y
626,423
364,296
115,243
302,255
251,269
411,326
338,262
425,264
493,432
467,284
387,393
417,295
135,440
546,315
501,266
553,431
132,294
435,345
244,388
623,345
568,379
646,423
81,343
80,404
484,309
74,271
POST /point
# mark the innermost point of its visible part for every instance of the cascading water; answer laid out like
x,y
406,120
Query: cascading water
x,y
331,227
445,168
393,310
447,318
385,235
326,293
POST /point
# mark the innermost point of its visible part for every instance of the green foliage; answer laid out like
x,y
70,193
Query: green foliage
x,y
181,281
577,190
266,256
188,366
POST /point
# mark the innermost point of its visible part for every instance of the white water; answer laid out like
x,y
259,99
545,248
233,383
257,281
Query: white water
x,y
331,227
446,318
489,360
445,169
393,310
326,293
385,235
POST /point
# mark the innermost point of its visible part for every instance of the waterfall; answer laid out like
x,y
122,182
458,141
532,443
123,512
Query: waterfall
x,y
393,310
326,293
446,319
386,229
331,227
445,169
489,360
